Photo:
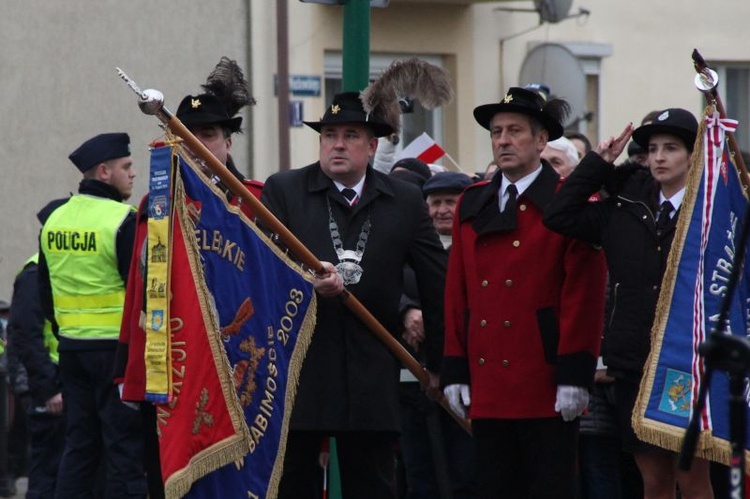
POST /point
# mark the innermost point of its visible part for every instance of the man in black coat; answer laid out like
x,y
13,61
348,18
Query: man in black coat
x,y
370,226
36,348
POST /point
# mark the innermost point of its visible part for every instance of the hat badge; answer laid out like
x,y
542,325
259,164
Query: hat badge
x,y
195,103
335,109
507,99
663,116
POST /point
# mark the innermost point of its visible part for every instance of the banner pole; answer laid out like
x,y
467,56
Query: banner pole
x,y
456,164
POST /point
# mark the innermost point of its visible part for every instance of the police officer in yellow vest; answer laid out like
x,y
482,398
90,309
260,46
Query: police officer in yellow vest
x,y
86,245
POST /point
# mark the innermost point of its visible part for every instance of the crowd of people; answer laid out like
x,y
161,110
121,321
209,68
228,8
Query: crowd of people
x,y
506,286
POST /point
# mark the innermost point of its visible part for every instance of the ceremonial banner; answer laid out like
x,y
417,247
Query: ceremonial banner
x,y
241,319
694,285
423,147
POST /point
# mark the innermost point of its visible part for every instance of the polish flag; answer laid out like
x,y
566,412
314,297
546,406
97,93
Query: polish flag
x,y
423,147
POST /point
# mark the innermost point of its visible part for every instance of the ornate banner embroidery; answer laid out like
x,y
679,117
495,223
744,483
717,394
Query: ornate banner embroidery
x,y
156,353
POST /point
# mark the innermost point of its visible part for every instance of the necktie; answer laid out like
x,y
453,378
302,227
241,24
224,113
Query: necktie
x,y
665,209
510,205
350,195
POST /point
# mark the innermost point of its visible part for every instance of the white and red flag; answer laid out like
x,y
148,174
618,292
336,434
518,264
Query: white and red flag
x,y
423,147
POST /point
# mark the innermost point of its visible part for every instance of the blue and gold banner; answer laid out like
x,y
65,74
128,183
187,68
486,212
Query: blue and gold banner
x,y
699,266
242,317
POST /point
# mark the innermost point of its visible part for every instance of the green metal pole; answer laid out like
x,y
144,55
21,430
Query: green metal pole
x,y
356,58
355,77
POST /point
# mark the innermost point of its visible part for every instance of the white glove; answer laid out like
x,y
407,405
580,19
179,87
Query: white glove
x,y
458,398
571,401
132,405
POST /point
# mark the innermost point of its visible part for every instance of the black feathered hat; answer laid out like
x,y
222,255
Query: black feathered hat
x,y
206,109
524,101
226,92
347,108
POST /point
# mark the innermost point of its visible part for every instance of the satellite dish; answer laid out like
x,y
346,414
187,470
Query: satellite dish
x,y
553,11
555,66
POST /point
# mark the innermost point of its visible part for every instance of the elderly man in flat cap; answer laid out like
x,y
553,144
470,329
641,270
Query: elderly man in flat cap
x,y
441,192
84,258
370,225
524,311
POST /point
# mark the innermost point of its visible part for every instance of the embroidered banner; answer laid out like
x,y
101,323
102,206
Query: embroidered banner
x,y
699,266
242,317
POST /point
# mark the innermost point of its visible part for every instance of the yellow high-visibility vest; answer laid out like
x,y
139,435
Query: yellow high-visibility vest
x,y
79,244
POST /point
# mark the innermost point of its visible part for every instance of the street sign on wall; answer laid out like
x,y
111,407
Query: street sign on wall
x,y
373,3
301,85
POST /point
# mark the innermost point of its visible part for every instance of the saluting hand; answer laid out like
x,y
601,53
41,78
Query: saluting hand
x,y
611,148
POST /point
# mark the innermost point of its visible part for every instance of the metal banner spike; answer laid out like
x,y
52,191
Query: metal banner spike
x,y
130,83
150,101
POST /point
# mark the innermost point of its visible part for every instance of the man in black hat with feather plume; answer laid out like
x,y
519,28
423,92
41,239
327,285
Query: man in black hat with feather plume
x,y
212,118
369,225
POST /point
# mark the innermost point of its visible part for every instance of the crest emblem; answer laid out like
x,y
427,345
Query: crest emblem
x,y
195,103
663,116
676,398
157,319
335,109
158,207
507,99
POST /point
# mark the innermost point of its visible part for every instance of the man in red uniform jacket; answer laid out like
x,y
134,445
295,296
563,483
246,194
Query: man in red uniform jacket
x,y
524,311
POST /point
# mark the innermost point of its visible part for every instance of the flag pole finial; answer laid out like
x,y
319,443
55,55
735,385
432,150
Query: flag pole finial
x,y
707,79
150,101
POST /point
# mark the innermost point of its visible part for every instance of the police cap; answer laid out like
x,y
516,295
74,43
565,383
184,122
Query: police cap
x,y
99,149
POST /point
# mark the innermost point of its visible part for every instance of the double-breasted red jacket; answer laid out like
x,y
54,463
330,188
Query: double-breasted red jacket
x,y
524,306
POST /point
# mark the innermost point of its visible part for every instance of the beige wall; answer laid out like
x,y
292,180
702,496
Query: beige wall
x,y
58,87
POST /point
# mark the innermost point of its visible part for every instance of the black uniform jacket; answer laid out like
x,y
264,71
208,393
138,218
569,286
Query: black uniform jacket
x,y
625,226
25,330
349,379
